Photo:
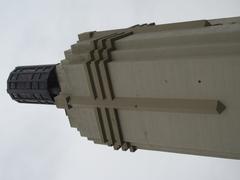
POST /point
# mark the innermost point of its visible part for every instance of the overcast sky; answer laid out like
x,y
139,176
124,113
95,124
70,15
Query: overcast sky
x,y
36,141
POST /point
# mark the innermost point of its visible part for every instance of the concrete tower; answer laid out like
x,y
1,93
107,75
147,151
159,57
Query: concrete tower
x,y
172,87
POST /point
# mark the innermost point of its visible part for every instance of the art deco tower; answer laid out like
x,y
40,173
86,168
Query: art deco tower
x,y
172,87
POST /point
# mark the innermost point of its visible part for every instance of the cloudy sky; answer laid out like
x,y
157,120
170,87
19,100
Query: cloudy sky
x,y
36,141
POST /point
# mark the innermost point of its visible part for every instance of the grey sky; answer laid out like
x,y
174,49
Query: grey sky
x,y
36,142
